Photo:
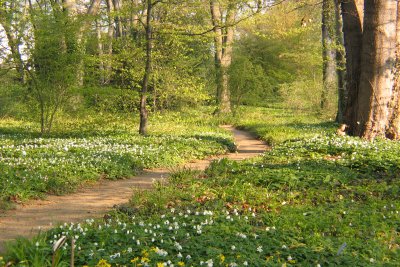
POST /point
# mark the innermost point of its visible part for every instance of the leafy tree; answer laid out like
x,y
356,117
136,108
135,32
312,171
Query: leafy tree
x,y
248,82
13,22
52,63
288,52
225,15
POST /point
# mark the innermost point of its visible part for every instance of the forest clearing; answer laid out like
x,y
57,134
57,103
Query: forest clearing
x,y
199,133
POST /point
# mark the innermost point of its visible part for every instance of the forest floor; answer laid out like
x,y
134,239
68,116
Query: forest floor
x,y
38,215
313,199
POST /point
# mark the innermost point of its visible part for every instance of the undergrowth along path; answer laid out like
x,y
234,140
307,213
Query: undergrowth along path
x,y
27,220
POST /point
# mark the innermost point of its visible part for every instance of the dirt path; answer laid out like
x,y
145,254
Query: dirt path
x,y
27,220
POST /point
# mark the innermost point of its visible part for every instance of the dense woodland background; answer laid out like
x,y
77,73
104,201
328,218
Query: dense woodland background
x,y
61,56
69,57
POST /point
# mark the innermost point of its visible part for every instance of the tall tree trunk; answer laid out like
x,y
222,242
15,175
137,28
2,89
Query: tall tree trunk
x,y
378,58
227,49
110,37
218,40
352,32
119,32
393,129
330,79
340,64
223,45
92,11
147,72
100,52
134,19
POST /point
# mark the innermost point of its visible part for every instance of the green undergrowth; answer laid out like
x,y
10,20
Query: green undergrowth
x,y
315,199
278,124
83,150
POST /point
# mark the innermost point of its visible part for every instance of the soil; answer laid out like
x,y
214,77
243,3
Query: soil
x,y
28,219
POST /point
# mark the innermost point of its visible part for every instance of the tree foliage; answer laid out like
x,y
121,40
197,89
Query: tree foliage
x,y
202,51
288,52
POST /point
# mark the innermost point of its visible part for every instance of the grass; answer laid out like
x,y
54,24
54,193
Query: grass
x,y
276,125
315,199
83,150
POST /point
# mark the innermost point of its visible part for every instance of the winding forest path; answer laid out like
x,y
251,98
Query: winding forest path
x,y
27,220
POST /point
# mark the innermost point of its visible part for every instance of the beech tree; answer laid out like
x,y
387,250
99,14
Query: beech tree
x,y
146,77
378,58
370,43
329,43
393,131
169,46
340,64
223,41
224,17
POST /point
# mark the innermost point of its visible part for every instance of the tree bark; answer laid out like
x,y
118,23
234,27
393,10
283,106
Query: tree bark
x,y
352,33
218,40
100,52
360,10
119,32
92,11
340,64
134,19
227,49
147,72
223,42
393,129
93,8
378,58
330,78
110,37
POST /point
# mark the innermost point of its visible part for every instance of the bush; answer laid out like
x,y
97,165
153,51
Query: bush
x,y
109,99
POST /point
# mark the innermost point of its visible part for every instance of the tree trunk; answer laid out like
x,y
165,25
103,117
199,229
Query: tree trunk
x,y
100,52
110,37
360,10
393,129
340,64
330,79
216,21
352,32
227,49
134,19
378,58
92,11
223,42
93,8
119,32
147,72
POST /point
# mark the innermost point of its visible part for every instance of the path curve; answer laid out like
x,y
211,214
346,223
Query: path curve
x,y
27,220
